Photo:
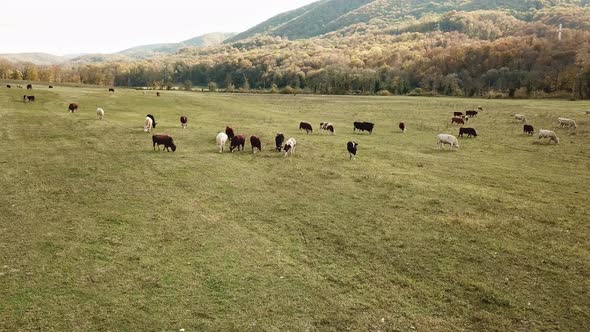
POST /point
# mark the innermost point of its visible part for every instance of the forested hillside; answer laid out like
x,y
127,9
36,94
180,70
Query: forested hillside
x,y
459,47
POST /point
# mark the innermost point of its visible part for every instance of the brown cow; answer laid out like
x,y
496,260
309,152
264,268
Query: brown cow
x,y
73,107
164,140
229,132
236,142
183,121
256,144
457,120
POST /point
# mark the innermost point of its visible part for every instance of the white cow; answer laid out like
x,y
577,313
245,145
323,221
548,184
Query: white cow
x,y
520,117
567,123
149,124
290,146
100,113
548,134
221,139
445,139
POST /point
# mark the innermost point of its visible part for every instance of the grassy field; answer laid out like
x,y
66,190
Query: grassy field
x,y
99,232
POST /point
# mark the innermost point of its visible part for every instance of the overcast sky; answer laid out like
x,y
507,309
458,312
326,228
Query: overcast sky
x,y
106,26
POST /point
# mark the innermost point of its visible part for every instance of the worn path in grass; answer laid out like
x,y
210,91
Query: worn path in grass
x,y
99,232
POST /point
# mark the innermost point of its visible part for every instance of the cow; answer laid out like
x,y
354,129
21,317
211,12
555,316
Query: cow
x,y
351,147
457,120
479,108
111,90
548,134
469,131
567,123
520,117
305,126
323,125
256,144
230,133
157,94
364,126
221,139
458,114
28,98
402,127
51,86
164,140
100,113
8,86
29,87
149,124
528,130
153,120
72,107
445,139
290,147
471,114
183,121
237,142
279,139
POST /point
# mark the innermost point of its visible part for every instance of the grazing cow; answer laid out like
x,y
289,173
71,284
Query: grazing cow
x,y
158,94
183,121
73,107
149,124
279,139
221,139
444,139
28,98
567,123
471,114
230,133
153,120
457,120
528,130
100,113
305,126
18,86
548,134
364,126
51,86
8,86
469,131
29,87
323,125
290,146
520,117
111,90
237,142
402,127
479,108
164,140
351,147
256,144
458,114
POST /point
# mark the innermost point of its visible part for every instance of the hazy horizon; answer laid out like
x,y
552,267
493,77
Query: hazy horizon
x,y
63,27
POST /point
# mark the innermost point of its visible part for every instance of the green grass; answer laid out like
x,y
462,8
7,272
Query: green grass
x,y
99,232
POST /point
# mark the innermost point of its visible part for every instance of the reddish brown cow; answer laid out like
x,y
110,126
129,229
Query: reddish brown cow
x,y
402,127
457,120
256,144
164,140
183,121
230,133
237,142
73,107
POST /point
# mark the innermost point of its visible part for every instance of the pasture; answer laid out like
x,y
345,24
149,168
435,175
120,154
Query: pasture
x,y
99,232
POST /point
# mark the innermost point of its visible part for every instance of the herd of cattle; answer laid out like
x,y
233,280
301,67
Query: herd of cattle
x,y
237,142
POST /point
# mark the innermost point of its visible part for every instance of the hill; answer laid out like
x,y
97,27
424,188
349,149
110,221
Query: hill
x,y
43,59
332,15
149,51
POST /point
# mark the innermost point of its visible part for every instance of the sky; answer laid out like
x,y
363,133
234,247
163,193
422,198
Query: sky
x,y
64,27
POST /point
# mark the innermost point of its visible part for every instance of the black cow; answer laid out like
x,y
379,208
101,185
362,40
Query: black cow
x,y
73,107
305,126
51,86
8,86
29,87
528,129
402,127
351,147
153,120
457,113
183,121
471,114
28,98
158,94
237,142
279,139
469,131
256,144
111,90
364,126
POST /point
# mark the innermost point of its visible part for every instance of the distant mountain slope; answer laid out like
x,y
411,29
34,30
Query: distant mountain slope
x,y
147,51
328,16
36,58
